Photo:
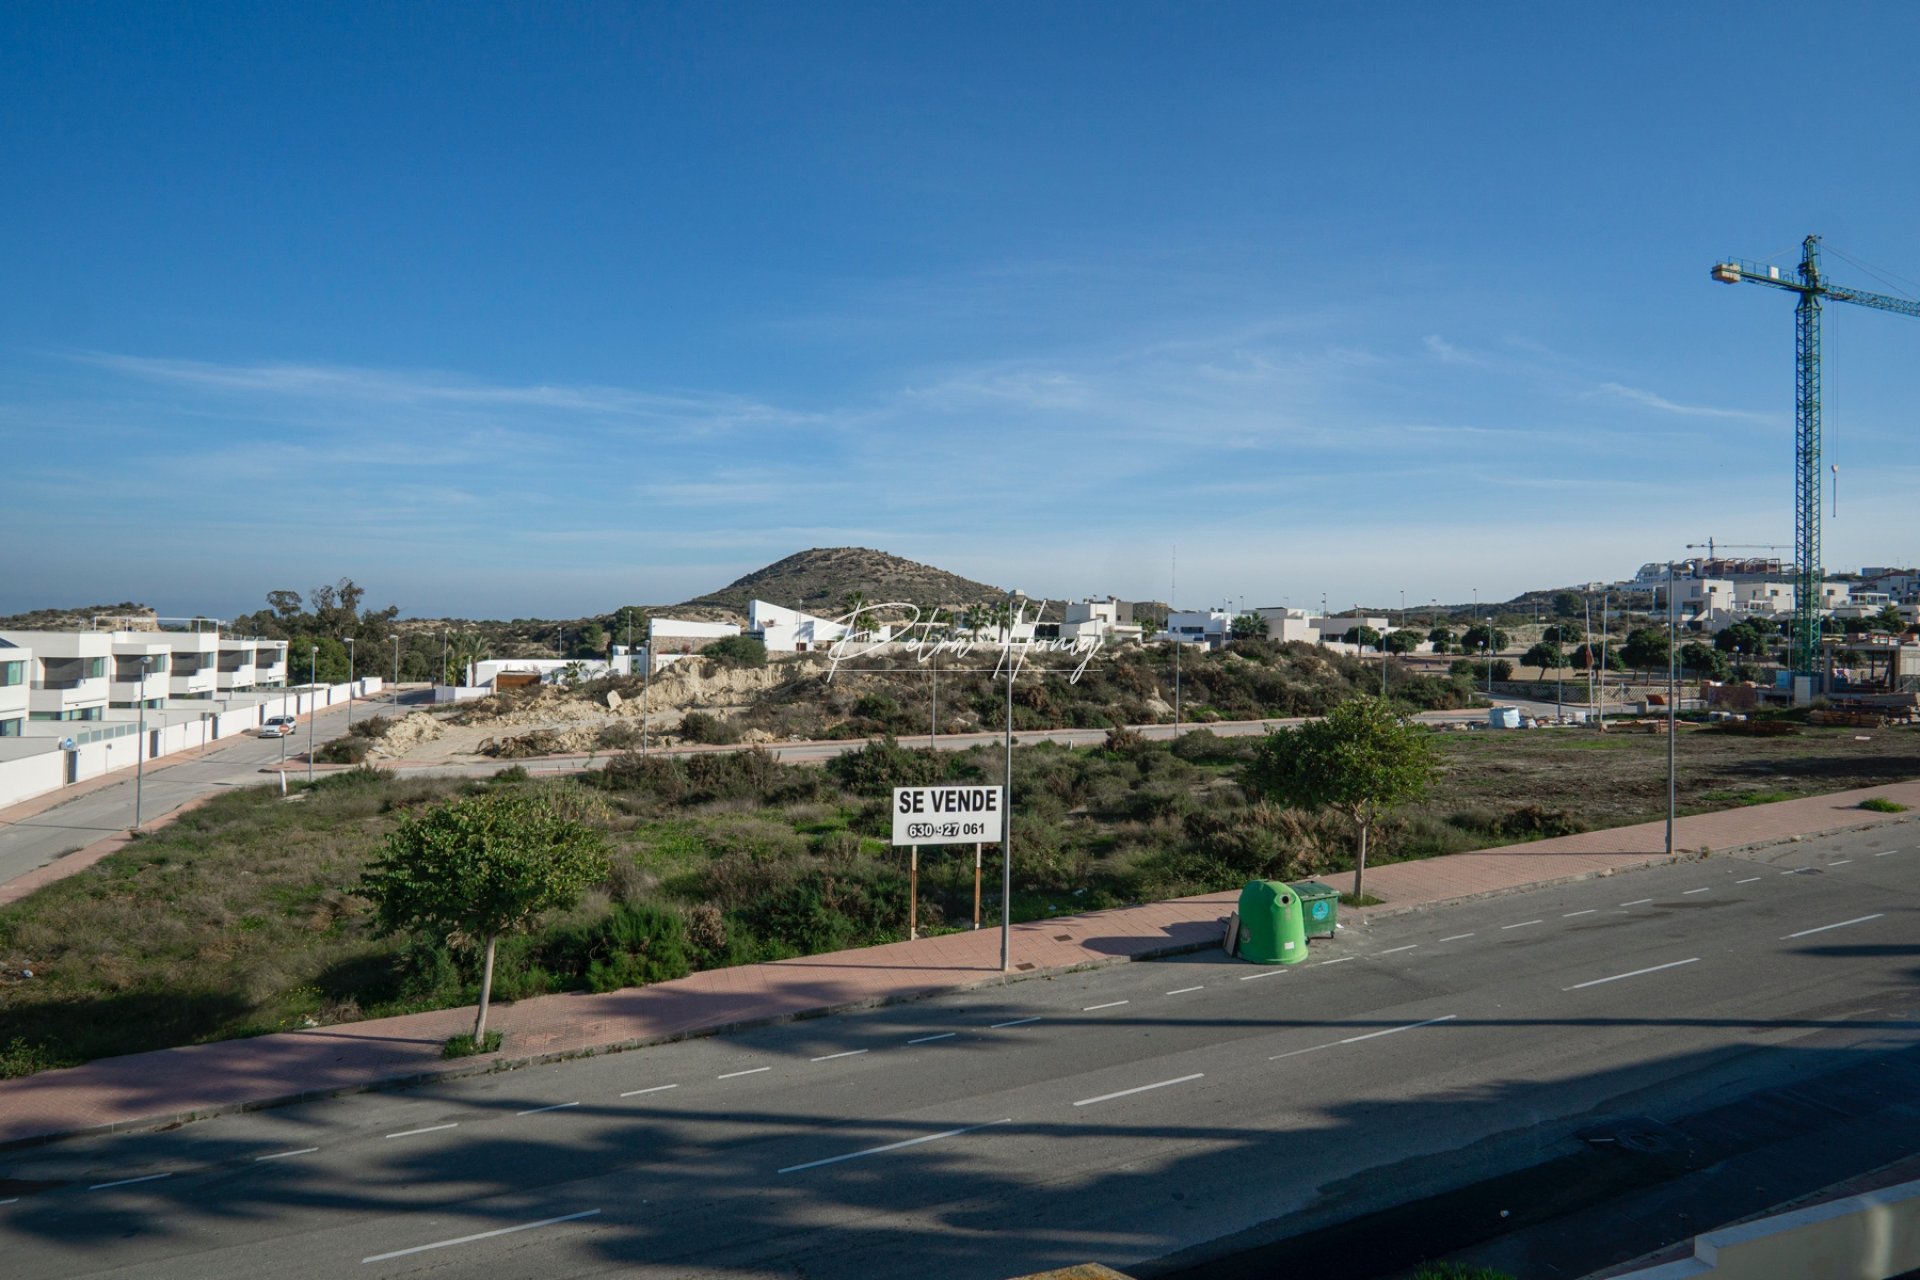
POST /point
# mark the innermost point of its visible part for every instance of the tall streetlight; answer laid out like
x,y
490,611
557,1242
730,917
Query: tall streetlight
x,y
443,658
349,684
1006,816
140,751
313,712
396,666
1673,720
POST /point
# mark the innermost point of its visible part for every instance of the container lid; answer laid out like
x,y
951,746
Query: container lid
x,y
1314,889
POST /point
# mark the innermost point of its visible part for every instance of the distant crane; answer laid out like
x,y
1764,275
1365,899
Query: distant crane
x,y
1808,573
1713,552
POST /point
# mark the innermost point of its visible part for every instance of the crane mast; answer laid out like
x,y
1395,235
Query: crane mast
x,y
1809,574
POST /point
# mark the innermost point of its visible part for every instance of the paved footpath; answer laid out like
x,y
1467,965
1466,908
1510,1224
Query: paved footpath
x,y
151,1089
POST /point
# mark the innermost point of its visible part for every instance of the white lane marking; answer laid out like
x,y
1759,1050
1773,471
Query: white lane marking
x,y
482,1235
851,1053
1843,924
1523,924
1571,914
1693,891
127,1182
11,1200
432,1128
558,1106
1017,1022
1637,902
1126,1093
1111,1004
750,1071
944,1035
282,1155
1390,950
1264,973
1183,990
1636,973
631,1093
1456,937
1341,960
894,1146
1840,862
1748,880
1797,871
1888,854
1371,1035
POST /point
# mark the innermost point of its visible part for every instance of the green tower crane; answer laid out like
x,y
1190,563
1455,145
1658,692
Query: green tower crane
x,y
1809,574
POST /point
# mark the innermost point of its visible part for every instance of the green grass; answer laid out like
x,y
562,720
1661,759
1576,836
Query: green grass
x,y
1880,804
463,1046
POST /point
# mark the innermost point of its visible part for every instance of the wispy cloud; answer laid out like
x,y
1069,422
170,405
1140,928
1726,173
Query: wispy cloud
x,y
1652,401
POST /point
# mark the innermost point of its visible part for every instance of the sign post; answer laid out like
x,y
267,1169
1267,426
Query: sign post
x,y
945,815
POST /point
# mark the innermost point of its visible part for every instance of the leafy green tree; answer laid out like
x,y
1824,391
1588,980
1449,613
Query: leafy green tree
x,y
484,866
1363,636
1544,655
1589,655
1646,649
1561,635
1249,626
1402,641
1441,638
463,650
1481,636
592,643
1568,604
1888,620
1704,660
1361,760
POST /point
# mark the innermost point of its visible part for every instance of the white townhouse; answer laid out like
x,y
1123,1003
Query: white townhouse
x,y
67,672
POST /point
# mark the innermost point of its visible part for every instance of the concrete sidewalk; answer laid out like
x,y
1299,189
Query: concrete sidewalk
x,y
151,1089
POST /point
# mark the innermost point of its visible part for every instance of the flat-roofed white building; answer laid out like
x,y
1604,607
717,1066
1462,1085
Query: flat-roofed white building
x,y
1109,621
68,672
142,670
680,636
789,630
195,664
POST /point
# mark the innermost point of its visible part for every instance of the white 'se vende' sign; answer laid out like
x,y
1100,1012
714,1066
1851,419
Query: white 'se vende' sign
x,y
946,815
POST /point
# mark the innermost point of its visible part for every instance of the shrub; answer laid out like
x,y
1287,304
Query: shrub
x,y
737,651
877,768
348,750
462,1045
1880,804
371,727
699,726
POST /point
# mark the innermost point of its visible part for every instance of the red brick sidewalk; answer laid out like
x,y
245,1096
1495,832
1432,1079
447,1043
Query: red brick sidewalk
x,y
149,1089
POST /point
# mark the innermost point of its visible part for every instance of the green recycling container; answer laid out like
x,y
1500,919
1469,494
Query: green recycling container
x,y
1319,906
1272,930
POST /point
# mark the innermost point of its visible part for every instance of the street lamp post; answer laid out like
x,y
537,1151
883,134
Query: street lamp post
x,y
349,684
1673,720
396,666
140,750
1006,816
443,659
313,692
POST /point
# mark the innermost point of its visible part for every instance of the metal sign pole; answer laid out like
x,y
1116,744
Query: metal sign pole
x,y
913,895
976,883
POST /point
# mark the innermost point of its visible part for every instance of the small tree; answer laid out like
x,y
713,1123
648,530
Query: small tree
x,y
1544,655
1567,604
1647,648
1249,626
1481,636
1361,761
738,651
1402,641
1441,638
481,867
1362,636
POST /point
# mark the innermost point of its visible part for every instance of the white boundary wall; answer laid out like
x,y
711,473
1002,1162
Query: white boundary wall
x,y
1864,1237
181,727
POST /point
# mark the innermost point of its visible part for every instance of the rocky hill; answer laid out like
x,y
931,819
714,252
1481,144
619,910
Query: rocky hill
x,y
821,580
135,617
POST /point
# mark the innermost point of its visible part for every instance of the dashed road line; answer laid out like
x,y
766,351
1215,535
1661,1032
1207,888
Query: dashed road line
x,y
1748,880
1341,960
1523,924
829,1057
895,1146
1688,892
1571,914
1111,1004
944,1035
127,1182
1371,1035
1840,862
1017,1022
750,1071
1637,902
1578,986
286,1155
634,1093
558,1106
1390,950
1127,1093
1888,854
1183,990
482,1235
432,1128
1843,924
1264,973
1456,937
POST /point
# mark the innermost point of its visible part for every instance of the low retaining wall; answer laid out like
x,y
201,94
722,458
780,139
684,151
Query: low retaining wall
x,y
1864,1237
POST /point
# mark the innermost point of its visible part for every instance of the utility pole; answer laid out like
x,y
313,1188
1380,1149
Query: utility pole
x,y
140,752
1673,720
1006,816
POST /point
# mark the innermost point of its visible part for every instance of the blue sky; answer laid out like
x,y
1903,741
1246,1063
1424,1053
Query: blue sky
x,y
536,311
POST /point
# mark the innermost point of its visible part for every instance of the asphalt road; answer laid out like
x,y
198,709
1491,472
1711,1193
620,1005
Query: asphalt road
x,y
1122,1115
233,762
